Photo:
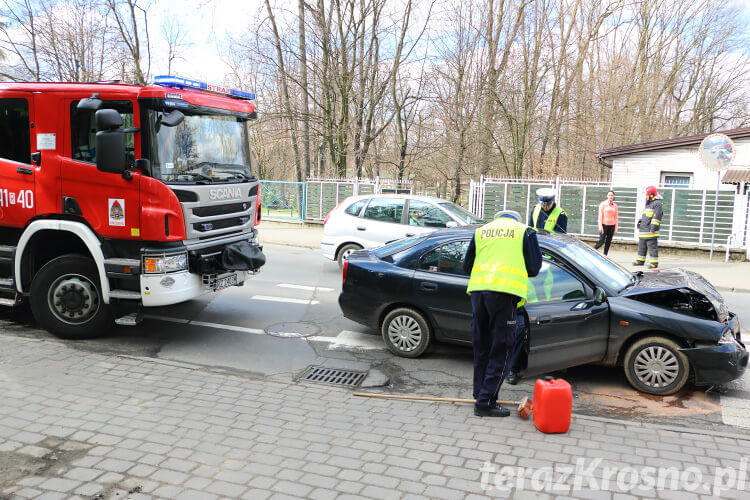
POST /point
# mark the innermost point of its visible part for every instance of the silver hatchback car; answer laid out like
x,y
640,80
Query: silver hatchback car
x,y
370,221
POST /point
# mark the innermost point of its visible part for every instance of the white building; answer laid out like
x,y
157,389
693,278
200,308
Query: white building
x,y
676,163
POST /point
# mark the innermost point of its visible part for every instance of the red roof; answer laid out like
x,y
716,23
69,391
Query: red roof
x,y
735,133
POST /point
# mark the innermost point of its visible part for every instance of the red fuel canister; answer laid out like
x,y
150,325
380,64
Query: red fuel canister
x,y
553,404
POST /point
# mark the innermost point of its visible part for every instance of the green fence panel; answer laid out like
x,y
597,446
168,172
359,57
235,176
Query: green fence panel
x,y
366,188
571,200
626,199
313,201
724,216
687,215
494,199
330,198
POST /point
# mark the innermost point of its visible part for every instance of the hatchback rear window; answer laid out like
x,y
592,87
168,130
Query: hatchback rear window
x,y
386,252
356,207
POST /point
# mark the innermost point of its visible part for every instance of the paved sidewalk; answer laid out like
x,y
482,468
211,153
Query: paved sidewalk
x,y
76,423
730,276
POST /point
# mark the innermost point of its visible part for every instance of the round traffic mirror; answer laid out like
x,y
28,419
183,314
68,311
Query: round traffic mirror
x,y
717,152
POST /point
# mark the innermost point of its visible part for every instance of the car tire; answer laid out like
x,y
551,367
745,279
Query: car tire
x,y
655,365
66,298
345,251
406,332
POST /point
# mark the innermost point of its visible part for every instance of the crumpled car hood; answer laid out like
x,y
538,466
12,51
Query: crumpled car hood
x,y
680,278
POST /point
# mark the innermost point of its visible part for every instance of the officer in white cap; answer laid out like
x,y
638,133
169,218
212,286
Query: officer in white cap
x,y
547,215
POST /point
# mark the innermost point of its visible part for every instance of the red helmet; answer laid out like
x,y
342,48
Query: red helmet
x,y
651,192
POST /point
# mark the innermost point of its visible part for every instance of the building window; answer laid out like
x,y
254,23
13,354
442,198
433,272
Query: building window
x,y
672,179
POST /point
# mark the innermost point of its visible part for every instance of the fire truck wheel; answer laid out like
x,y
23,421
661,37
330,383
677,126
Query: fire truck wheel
x,y
66,298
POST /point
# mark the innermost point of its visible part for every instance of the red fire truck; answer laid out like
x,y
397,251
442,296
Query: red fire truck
x,y
116,197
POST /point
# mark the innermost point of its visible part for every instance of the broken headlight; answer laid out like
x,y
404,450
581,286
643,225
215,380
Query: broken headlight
x,y
727,337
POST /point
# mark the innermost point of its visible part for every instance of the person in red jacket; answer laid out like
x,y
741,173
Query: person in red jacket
x,y
607,222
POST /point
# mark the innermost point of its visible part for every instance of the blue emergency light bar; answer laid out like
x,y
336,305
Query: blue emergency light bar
x,y
177,82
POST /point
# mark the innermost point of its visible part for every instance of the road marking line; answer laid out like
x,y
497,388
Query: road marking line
x,y
347,340
305,287
284,299
220,326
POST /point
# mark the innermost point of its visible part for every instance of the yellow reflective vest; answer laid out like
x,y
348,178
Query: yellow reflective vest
x,y
499,265
551,222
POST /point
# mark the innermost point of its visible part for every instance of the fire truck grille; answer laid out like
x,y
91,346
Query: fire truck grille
x,y
220,224
232,208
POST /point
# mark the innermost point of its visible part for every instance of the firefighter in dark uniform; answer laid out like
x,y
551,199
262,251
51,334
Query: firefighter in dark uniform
x,y
648,229
547,215
500,258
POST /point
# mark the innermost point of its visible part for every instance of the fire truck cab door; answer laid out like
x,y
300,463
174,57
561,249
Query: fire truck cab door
x,y
109,202
17,142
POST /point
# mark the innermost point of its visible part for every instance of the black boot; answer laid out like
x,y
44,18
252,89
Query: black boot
x,y
639,263
513,377
497,411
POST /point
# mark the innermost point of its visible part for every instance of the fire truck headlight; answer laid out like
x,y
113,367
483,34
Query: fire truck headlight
x,y
165,263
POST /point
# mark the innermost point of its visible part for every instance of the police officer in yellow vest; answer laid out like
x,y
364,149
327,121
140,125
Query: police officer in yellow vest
x,y
500,258
547,215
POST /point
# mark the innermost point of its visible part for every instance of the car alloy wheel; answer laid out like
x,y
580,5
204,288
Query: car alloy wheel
x,y
406,332
655,365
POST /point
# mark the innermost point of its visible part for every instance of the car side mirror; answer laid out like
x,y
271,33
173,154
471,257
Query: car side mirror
x,y
600,296
451,223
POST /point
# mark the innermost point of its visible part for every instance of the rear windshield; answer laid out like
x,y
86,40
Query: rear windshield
x,y
387,252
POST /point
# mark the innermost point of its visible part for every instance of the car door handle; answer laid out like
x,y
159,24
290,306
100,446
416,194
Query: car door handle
x,y
428,287
361,228
24,170
543,319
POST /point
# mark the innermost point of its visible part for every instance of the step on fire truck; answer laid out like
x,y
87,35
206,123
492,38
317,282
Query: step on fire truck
x,y
116,197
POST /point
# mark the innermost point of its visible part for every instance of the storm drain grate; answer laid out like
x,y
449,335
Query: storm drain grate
x,y
333,376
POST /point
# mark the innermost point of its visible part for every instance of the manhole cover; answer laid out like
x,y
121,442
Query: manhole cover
x,y
292,330
333,376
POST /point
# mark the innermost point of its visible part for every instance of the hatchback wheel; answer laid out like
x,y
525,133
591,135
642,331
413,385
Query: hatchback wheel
x,y
655,365
406,332
345,251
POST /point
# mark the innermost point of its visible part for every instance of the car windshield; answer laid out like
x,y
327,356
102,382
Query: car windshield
x,y
611,274
203,148
461,213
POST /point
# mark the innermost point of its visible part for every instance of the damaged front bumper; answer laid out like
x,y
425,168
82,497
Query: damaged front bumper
x,y
722,362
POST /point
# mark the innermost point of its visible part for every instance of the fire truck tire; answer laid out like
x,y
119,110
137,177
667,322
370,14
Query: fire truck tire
x,y
66,298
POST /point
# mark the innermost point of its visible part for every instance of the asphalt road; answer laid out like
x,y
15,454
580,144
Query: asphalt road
x,y
286,318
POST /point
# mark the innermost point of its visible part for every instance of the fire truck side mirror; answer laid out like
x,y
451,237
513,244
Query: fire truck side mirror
x,y
108,119
110,142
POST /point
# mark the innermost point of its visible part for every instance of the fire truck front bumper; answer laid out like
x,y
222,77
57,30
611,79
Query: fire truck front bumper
x,y
173,288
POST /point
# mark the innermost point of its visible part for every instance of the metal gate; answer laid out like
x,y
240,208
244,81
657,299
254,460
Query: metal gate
x,y
282,200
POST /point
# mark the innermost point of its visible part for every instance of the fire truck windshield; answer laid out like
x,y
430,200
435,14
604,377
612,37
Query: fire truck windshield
x,y
203,148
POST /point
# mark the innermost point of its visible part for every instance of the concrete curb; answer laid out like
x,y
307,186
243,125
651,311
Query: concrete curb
x,y
732,290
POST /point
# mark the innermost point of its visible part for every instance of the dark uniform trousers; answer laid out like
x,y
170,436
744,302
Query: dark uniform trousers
x,y
650,244
493,332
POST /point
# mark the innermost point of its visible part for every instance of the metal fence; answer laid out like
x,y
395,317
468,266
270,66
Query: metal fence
x,y
324,194
688,213
282,200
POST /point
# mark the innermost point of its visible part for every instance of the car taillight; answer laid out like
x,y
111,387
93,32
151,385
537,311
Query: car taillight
x,y
343,272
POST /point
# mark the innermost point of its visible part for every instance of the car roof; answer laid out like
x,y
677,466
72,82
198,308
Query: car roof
x,y
430,199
